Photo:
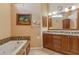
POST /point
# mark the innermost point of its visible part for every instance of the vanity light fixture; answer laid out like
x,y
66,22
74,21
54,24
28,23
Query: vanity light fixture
x,y
73,7
66,9
57,16
59,8
50,14
55,12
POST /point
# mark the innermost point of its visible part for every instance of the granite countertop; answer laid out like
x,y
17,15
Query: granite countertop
x,y
63,32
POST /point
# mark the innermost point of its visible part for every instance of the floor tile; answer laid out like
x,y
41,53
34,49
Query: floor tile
x,y
43,52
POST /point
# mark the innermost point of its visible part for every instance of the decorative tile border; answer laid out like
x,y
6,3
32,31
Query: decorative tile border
x,y
20,38
2,41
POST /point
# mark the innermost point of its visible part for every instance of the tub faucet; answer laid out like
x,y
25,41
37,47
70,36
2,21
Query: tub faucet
x,y
18,40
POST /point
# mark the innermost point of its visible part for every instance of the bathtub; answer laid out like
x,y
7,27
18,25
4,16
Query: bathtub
x,y
12,47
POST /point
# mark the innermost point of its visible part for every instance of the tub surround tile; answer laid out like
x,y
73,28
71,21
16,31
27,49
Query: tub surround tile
x,y
20,38
2,41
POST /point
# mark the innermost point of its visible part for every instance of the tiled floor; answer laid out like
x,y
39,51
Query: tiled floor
x,y
43,52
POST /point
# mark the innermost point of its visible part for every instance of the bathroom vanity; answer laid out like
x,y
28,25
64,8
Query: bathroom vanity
x,y
66,42
61,34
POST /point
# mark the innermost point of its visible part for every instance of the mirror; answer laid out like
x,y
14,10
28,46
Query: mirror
x,y
62,16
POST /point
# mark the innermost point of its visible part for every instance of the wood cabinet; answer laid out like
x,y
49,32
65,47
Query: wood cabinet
x,y
66,24
67,44
44,21
71,44
47,41
49,22
74,44
61,43
52,42
77,18
57,42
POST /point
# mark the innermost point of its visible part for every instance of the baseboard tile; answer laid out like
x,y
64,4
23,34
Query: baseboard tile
x,y
36,47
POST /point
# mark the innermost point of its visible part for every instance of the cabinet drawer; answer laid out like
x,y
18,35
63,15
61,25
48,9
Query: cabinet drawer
x,y
57,37
57,43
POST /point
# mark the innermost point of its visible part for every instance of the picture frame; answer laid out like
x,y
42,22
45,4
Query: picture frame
x,y
23,19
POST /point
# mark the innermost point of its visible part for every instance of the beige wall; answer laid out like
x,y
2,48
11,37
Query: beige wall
x,y
28,30
44,7
5,20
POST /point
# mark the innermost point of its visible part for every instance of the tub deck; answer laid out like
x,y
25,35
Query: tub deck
x,y
12,47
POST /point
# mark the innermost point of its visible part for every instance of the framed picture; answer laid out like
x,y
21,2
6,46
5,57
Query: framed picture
x,y
23,19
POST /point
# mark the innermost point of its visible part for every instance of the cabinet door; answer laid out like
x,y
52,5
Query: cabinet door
x,y
75,44
57,43
47,41
66,24
71,44
65,43
66,46
45,36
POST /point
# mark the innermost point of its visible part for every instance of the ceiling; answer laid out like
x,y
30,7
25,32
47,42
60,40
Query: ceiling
x,y
55,6
28,7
